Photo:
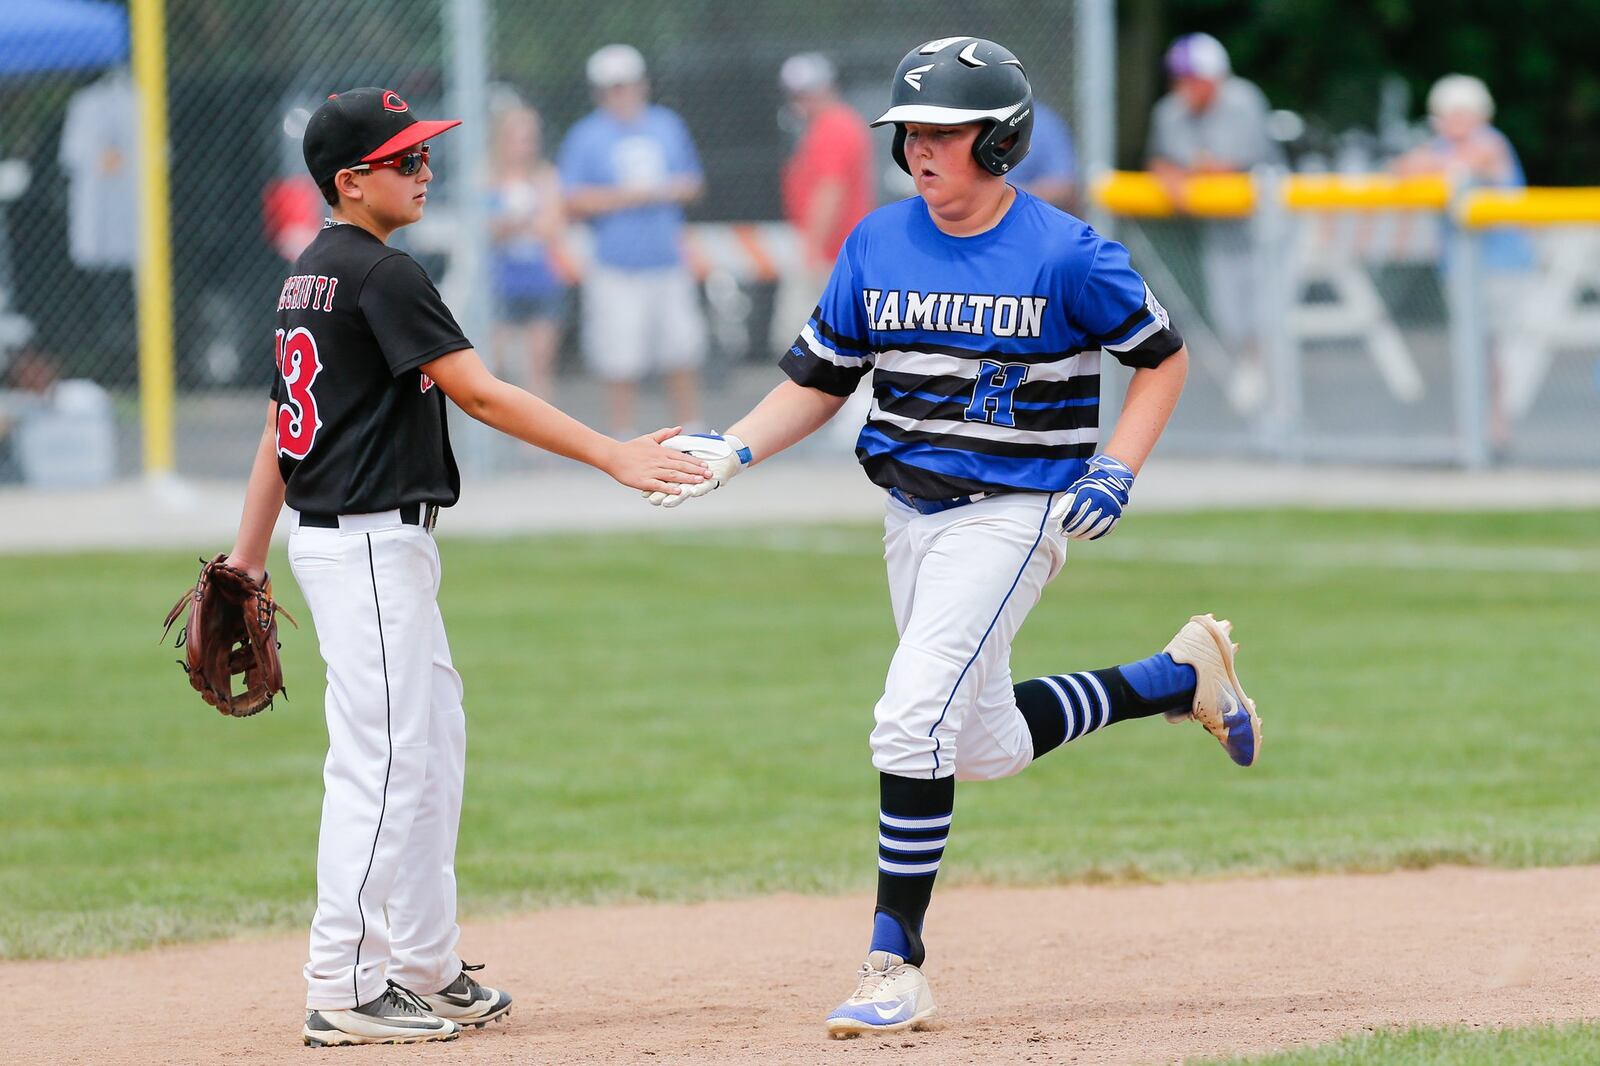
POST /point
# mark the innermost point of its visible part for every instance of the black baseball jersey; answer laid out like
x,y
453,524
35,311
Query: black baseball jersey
x,y
360,427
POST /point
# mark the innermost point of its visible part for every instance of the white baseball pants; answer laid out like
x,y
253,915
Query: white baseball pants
x,y
386,885
961,583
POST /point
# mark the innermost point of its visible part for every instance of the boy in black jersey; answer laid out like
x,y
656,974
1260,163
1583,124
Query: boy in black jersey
x,y
357,445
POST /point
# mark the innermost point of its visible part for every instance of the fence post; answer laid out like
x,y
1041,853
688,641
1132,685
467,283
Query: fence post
x,y
153,279
467,30
1469,350
1095,94
1275,288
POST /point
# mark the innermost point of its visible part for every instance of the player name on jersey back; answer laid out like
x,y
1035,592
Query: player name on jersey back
x,y
312,292
955,312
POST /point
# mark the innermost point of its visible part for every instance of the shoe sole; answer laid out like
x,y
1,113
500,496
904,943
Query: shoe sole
x,y
1220,633
324,1039
847,1028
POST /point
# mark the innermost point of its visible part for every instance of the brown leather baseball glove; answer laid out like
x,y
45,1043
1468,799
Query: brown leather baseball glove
x,y
232,629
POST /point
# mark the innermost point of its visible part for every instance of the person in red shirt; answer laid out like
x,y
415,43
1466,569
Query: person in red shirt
x,y
827,182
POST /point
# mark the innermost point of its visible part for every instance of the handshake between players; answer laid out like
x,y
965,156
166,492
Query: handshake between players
x,y
1089,508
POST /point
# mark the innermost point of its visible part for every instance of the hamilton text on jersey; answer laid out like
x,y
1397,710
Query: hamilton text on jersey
x,y
955,312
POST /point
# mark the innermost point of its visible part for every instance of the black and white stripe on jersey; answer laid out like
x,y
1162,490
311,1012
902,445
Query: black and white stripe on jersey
x,y
1144,338
822,358
838,341
1062,444
922,404
1078,387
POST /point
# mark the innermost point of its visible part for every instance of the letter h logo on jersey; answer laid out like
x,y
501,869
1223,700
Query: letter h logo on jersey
x,y
992,393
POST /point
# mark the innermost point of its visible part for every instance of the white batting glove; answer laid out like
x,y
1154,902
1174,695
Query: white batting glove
x,y
725,455
1092,505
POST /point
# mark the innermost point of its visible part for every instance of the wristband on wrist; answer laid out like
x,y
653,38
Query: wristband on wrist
x,y
740,448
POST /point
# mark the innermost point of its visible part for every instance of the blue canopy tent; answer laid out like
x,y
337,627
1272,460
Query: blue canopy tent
x,y
40,36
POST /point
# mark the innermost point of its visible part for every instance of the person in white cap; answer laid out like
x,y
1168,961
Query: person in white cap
x,y
1467,148
1215,122
628,168
827,184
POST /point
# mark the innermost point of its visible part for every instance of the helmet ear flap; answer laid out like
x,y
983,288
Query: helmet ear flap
x,y
899,148
1019,131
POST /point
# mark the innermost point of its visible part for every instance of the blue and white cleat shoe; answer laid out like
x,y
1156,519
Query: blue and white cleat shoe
x,y
1219,700
892,995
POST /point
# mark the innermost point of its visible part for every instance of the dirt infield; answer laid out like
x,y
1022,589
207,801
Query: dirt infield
x,y
1139,974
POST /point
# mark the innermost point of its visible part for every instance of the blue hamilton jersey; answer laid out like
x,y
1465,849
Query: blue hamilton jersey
x,y
984,350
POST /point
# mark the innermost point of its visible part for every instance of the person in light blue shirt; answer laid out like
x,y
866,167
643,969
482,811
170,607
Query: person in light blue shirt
x,y
1468,149
628,168
1050,169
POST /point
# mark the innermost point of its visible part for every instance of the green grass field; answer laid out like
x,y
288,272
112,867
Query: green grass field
x,y
666,717
1548,1045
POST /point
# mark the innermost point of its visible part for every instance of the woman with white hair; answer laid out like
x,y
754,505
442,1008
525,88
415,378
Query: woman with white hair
x,y
1469,150
1464,145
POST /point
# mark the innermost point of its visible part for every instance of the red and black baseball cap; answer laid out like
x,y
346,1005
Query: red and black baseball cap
x,y
364,126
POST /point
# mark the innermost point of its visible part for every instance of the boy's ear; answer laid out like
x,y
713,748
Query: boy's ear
x,y
345,182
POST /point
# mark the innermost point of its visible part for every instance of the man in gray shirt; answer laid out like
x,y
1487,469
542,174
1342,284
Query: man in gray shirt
x,y
1214,122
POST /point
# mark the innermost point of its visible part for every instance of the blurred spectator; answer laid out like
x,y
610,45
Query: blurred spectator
x,y
827,186
292,210
1470,151
99,152
526,220
25,389
1213,122
1049,170
628,168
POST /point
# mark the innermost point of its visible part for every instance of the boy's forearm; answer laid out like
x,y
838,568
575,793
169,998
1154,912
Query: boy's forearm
x,y
521,414
1152,395
787,415
263,502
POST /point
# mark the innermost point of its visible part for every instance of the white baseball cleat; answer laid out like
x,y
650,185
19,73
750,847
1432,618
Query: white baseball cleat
x,y
1219,700
466,1002
396,1017
891,995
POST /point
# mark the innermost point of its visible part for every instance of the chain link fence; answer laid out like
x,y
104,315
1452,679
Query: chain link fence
x,y
1314,334
1357,335
242,79
1541,322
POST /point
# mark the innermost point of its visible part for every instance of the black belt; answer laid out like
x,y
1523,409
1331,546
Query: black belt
x,y
924,505
425,515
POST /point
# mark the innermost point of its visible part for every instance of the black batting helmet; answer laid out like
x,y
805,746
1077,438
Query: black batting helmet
x,y
957,80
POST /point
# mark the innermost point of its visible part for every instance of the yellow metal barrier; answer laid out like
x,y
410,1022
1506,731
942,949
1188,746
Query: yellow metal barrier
x,y
1364,192
155,236
1132,194
1530,207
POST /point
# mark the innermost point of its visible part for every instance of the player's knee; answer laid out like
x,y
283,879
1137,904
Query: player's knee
x,y
991,765
899,748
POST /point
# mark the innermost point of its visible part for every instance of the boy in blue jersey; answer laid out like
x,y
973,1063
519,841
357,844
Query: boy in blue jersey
x,y
981,312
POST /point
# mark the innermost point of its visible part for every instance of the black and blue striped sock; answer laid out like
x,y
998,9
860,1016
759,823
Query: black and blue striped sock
x,y
914,817
1068,706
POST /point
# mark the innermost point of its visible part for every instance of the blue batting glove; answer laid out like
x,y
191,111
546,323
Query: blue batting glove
x,y
1093,504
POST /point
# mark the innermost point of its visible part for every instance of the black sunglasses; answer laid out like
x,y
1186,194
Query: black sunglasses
x,y
407,164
